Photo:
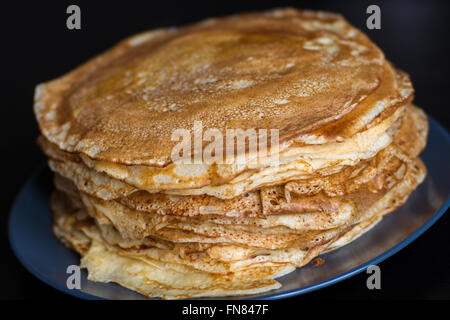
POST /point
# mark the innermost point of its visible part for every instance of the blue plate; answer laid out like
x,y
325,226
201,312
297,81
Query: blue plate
x,y
38,250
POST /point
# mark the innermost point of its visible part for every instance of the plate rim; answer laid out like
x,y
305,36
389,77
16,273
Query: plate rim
x,y
274,296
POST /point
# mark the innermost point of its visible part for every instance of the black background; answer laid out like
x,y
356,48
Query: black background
x,y
36,46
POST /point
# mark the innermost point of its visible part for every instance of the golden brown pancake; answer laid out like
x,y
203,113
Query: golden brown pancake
x,y
138,224
101,185
320,62
227,72
228,180
347,152
413,129
79,233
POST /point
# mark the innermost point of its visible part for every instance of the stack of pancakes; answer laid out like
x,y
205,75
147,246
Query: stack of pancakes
x,y
346,154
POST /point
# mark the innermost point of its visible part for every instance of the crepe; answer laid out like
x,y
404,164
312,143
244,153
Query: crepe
x,y
210,160
149,272
409,141
126,107
268,234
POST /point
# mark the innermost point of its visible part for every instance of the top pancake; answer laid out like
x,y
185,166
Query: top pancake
x,y
296,71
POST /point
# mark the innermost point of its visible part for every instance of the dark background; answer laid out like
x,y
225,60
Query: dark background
x,y
36,46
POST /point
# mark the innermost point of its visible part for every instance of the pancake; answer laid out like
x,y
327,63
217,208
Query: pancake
x,y
120,118
223,252
247,181
106,263
211,159
137,224
148,279
116,211
229,180
320,219
409,142
348,180
221,258
238,57
100,185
